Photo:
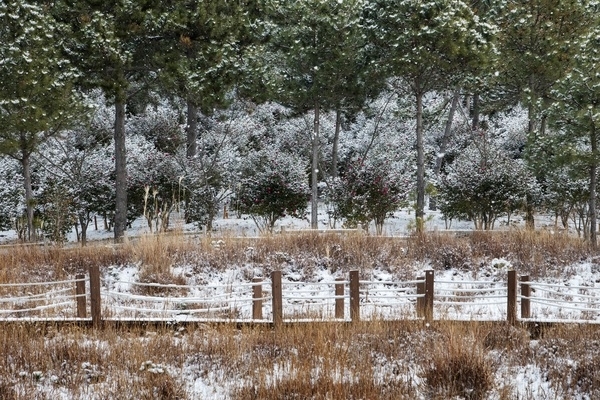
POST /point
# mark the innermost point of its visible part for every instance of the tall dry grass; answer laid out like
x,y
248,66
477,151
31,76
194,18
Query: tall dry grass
x,y
370,360
374,359
539,254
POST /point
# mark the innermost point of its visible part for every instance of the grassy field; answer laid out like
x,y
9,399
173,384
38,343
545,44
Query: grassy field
x,y
370,360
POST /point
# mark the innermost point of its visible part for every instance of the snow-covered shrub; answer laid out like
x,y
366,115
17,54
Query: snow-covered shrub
x,y
367,192
206,188
567,195
56,210
153,183
12,193
160,125
273,185
80,162
483,184
209,176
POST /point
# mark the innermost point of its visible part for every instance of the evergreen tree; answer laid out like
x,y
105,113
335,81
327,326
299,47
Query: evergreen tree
x,y
37,98
316,49
203,54
114,44
484,183
430,46
576,113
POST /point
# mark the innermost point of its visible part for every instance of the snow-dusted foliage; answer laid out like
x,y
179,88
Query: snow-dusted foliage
x,y
368,191
483,183
160,125
12,195
271,187
567,195
153,183
76,174
509,130
210,176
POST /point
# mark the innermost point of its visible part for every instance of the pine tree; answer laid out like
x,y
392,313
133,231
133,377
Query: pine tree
x,y
37,98
576,113
429,46
316,51
203,54
114,44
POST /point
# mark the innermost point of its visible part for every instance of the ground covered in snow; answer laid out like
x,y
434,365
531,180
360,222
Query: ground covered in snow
x,y
391,354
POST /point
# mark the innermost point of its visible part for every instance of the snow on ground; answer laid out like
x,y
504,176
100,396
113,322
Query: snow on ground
x,y
460,295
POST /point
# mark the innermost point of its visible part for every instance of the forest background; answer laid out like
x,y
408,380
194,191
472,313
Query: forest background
x,y
122,109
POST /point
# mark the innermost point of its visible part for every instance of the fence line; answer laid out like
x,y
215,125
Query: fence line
x,y
341,295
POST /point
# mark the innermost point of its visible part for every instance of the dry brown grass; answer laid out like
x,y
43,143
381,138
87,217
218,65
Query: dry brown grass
x,y
370,360
374,359
459,367
534,253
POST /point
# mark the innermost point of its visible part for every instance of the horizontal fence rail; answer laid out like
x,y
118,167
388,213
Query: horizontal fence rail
x,y
274,300
43,299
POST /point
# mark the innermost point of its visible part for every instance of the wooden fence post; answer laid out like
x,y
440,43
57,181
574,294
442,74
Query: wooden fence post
x,y
429,288
511,303
354,296
80,293
257,302
525,292
339,302
277,298
95,296
420,300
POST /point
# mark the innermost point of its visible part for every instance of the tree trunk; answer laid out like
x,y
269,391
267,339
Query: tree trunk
x,y
420,209
314,223
529,210
121,171
530,121
26,165
191,129
444,143
593,174
531,107
336,139
84,221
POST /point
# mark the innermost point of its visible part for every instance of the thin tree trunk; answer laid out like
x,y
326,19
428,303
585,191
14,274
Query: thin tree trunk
x,y
593,175
336,139
420,209
84,221
444,143
191,129
530,120
26,165
529,210
314,222
543,124
121,171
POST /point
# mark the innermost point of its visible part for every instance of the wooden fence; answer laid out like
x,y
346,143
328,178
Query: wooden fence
x,y
425,297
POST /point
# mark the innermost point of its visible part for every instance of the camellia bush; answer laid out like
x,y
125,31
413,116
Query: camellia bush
x,y
483,184
368,192
273,186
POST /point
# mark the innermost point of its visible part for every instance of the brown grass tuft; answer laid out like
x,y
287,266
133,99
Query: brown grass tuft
x,y
506,337
459,367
